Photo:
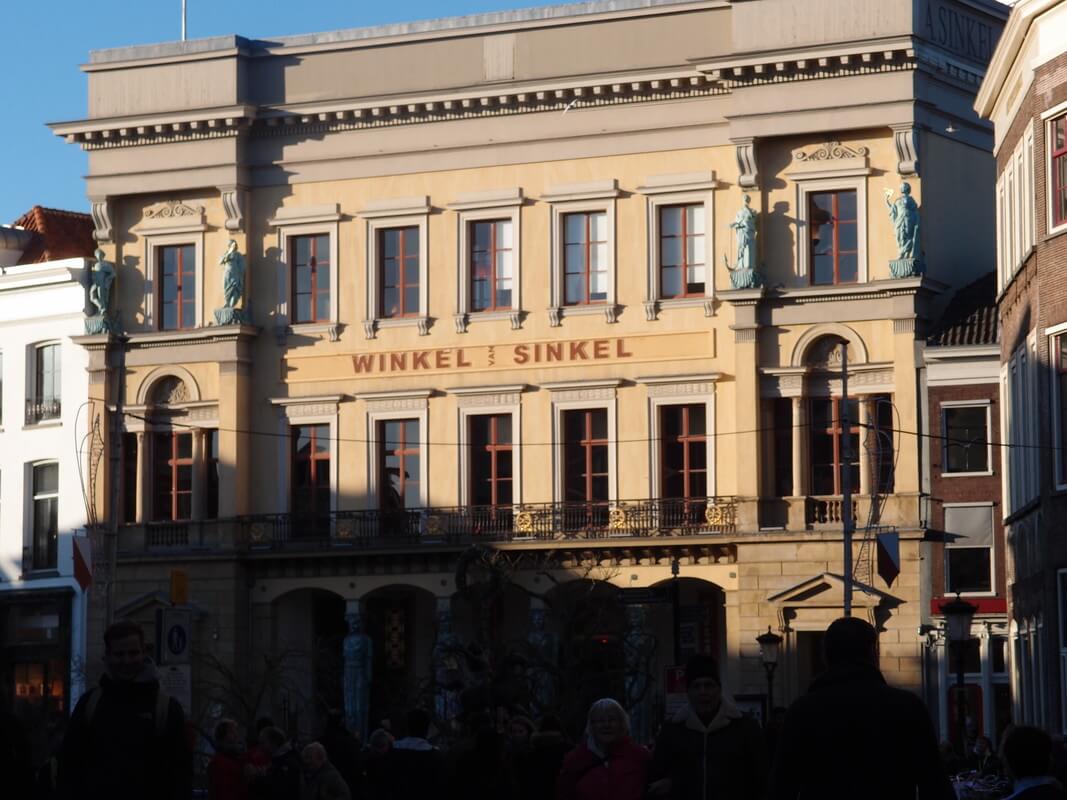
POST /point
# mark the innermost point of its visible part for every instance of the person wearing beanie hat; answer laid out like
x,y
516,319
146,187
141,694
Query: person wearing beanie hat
x,y
709,749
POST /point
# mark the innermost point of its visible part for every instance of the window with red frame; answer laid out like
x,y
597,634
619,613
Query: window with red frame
x,y
310,469
491,460
834,237
399,464
1058,130
491,264
177,297
585,456
398,264
684,452
681,251
310,259
827,459
585,258
172,472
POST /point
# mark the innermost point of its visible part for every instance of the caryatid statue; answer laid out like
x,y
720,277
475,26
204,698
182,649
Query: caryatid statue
x,y
638,646
358,671
744,226
100,279
545,651
904,212
447,667
233,287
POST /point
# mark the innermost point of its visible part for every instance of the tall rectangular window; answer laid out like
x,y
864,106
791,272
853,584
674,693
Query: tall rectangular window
x,y
492,266
310,470
398,254
177,299
1059,358
828,462
968,549
1058,195
834,237
47,383
309,256
400,463
172,476
782,425
881,433
491,465
966,432
684,451
585,257
45,515
585,456
211,473
681,251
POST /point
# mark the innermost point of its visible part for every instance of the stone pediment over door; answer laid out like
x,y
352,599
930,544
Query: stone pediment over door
x,y
822,598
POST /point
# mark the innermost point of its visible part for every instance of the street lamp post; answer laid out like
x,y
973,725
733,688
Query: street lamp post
x,y
769,643
958,616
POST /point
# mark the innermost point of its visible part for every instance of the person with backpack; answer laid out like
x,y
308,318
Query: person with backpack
x,y
126,739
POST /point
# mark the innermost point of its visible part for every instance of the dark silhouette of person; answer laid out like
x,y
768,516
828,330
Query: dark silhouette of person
x,y
852,735
415,767
1027,753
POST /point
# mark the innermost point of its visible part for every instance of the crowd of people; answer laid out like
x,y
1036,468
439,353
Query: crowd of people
x,y
850,736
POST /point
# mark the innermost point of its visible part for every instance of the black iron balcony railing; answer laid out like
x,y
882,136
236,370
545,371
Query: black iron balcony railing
x,y
43,409
535,522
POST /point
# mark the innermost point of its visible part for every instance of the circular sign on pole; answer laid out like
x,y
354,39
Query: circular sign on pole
x,y
177,640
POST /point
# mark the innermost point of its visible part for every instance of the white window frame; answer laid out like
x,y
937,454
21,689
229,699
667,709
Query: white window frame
x,y
297,411
598,196
584,396
383,215
31,380
384,406
674,190
478,207
950,404
306,221
858,184
675,392
478,401
31,510
1003,268
992,550
1047,118
153,280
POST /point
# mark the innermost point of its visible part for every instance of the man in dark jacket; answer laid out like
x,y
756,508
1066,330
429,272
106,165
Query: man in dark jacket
x,y
321,780
280,779
126,739
1028,754
709,749
854,736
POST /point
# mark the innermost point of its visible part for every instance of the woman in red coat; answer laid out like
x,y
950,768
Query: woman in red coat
x,y
606,765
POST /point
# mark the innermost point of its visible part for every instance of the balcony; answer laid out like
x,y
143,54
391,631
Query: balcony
x,y
457,526
38,411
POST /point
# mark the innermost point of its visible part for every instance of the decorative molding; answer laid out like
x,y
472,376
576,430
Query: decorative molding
x,y
582,395
651,310
702,388
370,328
172,216
906,325
830,160
389,402
709,308
587,190
487,396
555,316
906,140
233,203
103,229
423,324
515,317
744,334
747,169
305,215
497,198
397,207
461,321
679,182
296,408
833,151
811,64
173,209
611,313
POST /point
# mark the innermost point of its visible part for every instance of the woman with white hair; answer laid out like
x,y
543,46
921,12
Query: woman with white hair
x,y
606,765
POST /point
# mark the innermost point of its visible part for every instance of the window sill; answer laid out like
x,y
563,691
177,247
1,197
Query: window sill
x,y
44,423
987,474
1059,230
610,311
372,326
332,330
40,574
654,307
465,318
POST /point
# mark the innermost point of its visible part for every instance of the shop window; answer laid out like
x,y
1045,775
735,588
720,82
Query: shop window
x,y
834,243
828,462
969,549
177,298
45,515
309,257
172,476
491,466
400,464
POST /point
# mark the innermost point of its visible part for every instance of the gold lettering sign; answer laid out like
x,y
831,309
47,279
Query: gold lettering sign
x,y
497,357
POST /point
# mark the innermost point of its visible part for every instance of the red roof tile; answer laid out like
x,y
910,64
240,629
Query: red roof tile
x,y
60,234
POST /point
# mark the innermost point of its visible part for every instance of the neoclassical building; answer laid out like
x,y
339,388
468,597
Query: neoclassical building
x,y
542,320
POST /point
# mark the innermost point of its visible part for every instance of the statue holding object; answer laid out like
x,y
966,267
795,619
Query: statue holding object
x,y
233,288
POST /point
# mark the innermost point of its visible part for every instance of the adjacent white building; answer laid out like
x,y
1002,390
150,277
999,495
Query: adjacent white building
x,y
43,466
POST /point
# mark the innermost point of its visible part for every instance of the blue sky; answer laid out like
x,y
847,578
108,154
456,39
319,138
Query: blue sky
x,y
44,43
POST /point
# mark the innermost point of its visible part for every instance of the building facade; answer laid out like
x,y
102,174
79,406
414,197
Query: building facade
x,y
45,432
966,552
1025,95
535,335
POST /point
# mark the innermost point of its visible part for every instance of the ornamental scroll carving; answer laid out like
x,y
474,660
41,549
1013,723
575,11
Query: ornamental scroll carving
x,y
833,151
488,400
170,391
396,404
173,210
681,389
583,395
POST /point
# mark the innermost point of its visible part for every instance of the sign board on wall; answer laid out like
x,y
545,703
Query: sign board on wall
x,y
177,681
175,635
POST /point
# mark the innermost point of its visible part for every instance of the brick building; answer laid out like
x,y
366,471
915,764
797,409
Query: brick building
x,y
1025,95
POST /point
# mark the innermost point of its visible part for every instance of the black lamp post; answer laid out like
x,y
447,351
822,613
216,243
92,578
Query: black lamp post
x,y
958,616
769,643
